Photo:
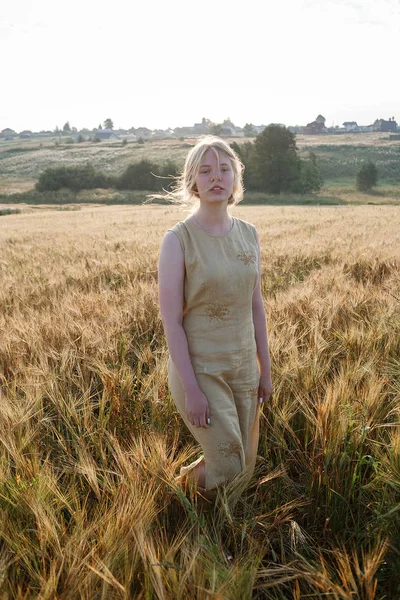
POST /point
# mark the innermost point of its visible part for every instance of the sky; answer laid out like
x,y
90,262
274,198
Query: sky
x,y
157,64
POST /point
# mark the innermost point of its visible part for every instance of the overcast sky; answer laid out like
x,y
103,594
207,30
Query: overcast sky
x,y
166,64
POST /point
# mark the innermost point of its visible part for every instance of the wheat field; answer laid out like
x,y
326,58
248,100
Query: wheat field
x,y
91,440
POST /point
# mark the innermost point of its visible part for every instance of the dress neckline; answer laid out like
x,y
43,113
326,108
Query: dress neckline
x,y
192,222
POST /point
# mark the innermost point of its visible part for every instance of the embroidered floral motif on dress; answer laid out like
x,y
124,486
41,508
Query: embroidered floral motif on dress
x,y
253,392
248,257
217,311
229,449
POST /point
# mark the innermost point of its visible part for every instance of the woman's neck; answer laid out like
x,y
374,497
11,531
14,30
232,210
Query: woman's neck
x,y
214,218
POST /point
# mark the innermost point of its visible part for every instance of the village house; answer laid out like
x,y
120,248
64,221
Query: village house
x,y
365,128
350,126
143,132
105,134
200,128
25,134
316,127
183,131
228,131
162,134
8,133
382,125
259,128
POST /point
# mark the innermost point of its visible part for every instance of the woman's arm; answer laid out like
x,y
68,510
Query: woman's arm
x,y
260,328
171,276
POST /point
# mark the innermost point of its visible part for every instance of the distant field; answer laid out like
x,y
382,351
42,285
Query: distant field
x,y
22,162
340,156
91,440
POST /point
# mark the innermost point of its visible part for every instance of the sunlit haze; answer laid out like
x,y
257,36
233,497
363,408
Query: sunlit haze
x,y
168,64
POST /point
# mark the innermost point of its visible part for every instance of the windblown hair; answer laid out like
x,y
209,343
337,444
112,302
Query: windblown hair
x,y
185,191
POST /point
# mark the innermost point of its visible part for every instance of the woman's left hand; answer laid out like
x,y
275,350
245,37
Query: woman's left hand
x,y
264,389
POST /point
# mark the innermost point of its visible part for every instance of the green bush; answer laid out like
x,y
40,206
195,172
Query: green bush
x,y
62,196
9,211
367,177
146,175
75,178
310,179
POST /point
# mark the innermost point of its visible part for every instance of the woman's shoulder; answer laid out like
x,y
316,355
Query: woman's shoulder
x,y
246,227
180,230
175,227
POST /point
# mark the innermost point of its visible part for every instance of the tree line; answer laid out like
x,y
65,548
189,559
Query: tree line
x,y
272,165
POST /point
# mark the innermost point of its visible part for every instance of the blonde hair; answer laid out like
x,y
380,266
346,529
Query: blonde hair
x,y
185,191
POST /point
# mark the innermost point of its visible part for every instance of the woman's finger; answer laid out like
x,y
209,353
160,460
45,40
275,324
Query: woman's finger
x,y
266,394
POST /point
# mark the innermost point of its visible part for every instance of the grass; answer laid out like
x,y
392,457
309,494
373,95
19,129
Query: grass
x,y
24,161
330,195
91,440
339,156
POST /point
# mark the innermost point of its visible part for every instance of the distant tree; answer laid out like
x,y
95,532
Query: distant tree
x,y
367,177
249,130
228,123
272,164
80,138
57,130
67,128
108,124
138,176
245,152
124,142
146,175
276,163
310,179
215,128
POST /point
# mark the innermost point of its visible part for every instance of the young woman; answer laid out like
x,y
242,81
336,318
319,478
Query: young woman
x,y
213,314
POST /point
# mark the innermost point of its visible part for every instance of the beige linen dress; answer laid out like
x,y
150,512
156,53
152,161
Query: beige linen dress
x,y
220,275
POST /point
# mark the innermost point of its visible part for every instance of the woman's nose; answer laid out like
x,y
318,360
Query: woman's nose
x,y
216,175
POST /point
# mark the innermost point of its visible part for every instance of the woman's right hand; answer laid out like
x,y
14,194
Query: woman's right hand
x,y
197,408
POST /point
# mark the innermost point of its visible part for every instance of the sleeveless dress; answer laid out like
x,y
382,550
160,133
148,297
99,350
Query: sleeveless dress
x,y
221,272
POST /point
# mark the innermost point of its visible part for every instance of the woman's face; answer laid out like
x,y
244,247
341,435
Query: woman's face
x,y
215,178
